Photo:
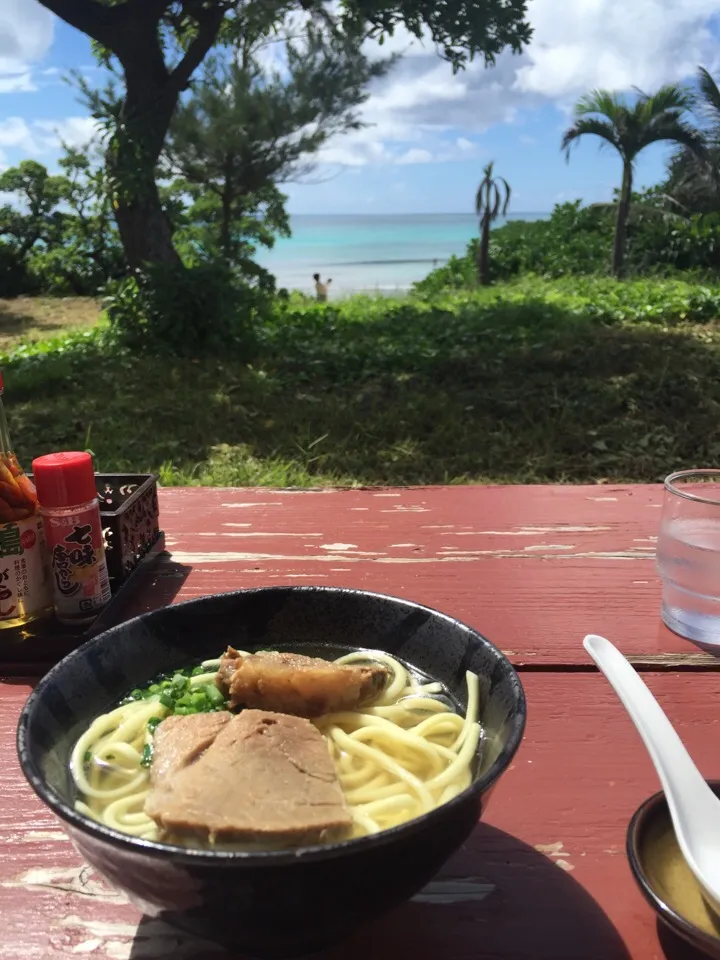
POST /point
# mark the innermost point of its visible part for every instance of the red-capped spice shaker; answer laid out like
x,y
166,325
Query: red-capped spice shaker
x,y
69,506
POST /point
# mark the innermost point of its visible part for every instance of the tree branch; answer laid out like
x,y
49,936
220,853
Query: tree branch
x,y
94,19
208,27
149,9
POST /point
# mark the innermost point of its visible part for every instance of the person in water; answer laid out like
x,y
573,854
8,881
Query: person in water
x,y
321,289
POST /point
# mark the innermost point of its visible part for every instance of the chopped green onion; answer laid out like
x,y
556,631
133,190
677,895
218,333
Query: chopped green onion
x,y
153,723
215,696
182,692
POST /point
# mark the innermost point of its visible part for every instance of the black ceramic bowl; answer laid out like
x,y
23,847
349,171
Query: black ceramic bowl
x,y
276,903
665,879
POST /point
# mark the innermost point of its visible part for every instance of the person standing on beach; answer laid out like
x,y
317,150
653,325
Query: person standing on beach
x,y
321,289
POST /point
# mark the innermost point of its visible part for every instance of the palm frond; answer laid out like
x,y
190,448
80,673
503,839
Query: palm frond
x,y
495,210
709,90
695,182
679,211
643,208
671,97
488,198
479,200
589,126
672,128
508,193
604,102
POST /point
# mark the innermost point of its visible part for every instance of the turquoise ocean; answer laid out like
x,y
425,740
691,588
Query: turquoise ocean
x,y
374,253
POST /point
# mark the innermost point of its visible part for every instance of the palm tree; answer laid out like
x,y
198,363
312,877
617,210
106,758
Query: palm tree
x,y
629,129
489,205
694,182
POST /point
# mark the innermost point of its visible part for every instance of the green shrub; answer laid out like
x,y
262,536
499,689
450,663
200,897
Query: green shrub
x,y
577,379
457,274
577,241
63,271
185,310
574,240
656,244
363,338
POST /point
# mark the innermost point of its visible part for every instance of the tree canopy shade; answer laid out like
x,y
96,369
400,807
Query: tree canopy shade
x,y
160,43
629,128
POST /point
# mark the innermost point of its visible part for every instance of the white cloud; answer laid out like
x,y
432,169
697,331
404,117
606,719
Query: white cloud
x,y
26,34
576,46
615,44
74,131
42,138
415,155
17,83
14,132
422,112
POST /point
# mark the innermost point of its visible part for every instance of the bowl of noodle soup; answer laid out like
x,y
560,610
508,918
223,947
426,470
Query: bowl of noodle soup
x,y
413,762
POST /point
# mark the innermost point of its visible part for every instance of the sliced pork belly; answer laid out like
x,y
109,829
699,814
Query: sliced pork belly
x,y
263,777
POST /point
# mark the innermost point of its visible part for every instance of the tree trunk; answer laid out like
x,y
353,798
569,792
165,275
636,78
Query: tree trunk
x,y
151,96
143,225
618,256
148,107
484,255
133,32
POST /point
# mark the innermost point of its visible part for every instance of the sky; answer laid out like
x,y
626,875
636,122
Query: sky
x,y
428,132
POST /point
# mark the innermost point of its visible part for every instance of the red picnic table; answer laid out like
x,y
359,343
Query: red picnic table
x,y
534,568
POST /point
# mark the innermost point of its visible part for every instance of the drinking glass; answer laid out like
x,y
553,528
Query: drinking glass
x,y
688,555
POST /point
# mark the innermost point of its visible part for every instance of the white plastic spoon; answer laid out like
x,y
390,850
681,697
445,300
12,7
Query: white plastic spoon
x,y
694,808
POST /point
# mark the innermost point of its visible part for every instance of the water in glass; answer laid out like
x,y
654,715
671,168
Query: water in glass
x,y
688,559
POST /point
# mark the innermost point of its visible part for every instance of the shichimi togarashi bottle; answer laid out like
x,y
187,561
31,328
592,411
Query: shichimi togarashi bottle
x,y
71,513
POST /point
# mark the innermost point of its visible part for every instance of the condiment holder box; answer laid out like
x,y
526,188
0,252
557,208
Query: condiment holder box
x,y
130,519
134,543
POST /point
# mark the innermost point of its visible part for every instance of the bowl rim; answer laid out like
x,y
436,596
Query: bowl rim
x,y
234,858
638,823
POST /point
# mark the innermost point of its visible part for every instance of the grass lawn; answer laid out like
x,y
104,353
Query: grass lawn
x,y
535,382
30,319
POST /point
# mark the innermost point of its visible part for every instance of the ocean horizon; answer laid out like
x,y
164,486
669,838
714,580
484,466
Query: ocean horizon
x,y
370,253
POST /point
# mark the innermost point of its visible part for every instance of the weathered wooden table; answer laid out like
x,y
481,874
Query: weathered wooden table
x,y
534,568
